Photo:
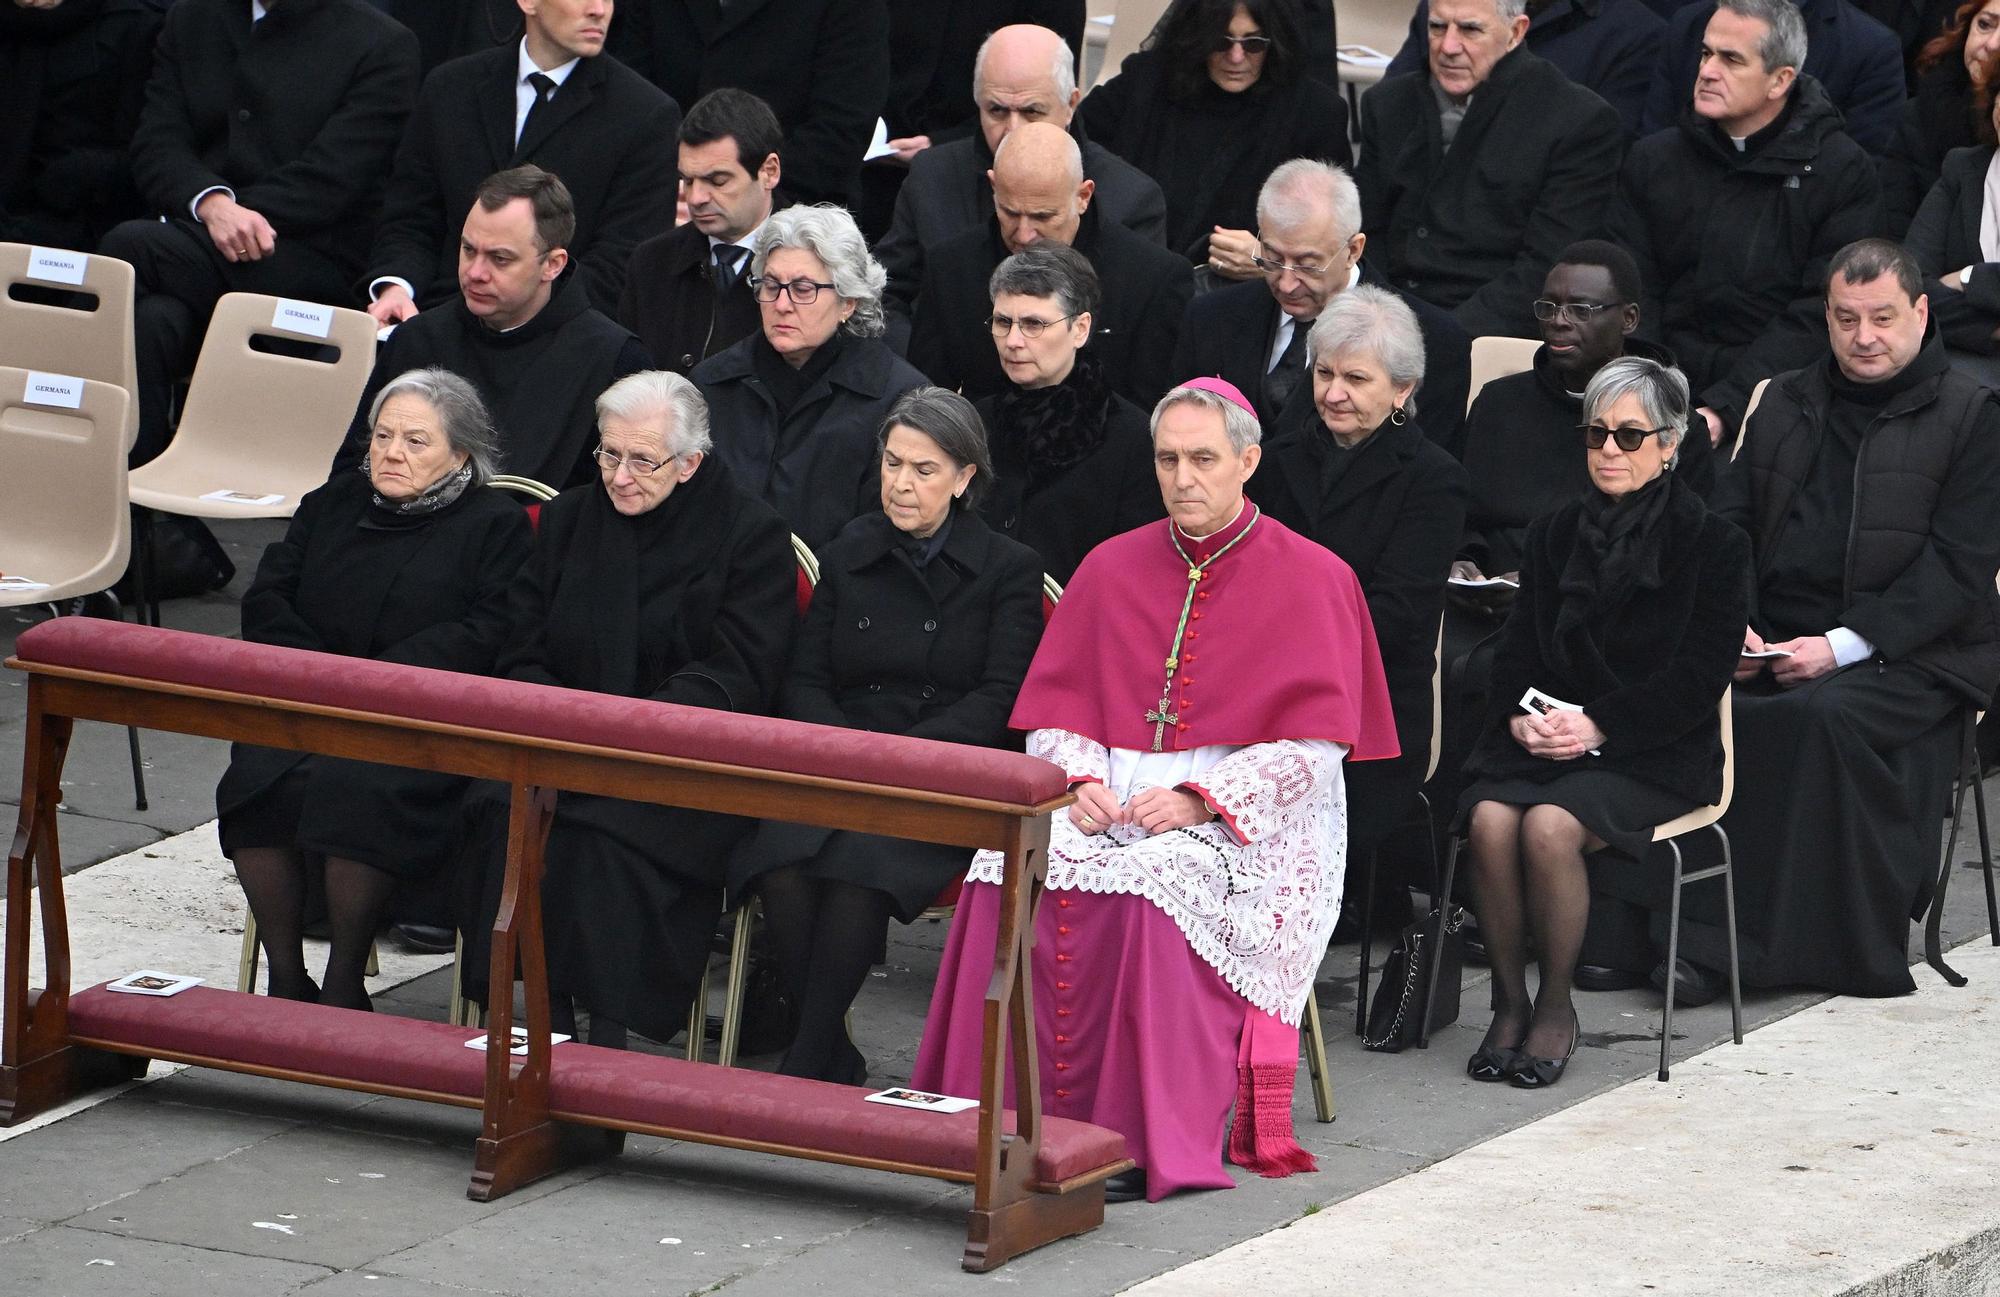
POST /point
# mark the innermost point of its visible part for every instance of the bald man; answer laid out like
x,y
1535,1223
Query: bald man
x,y
1040,192
1023,74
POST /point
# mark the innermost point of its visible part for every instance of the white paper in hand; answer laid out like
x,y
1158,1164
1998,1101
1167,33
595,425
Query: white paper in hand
x,y
1537,703
878,147
1768,653
1484,583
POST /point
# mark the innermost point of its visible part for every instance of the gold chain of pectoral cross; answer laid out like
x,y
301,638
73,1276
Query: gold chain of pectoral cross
x,y
1159,717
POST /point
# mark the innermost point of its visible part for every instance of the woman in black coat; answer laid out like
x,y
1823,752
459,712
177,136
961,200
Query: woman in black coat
x,y
923,624
1944,113
408,561
1073,459
664,582
1631,613
1218,97
796,406
1962,273
1364,481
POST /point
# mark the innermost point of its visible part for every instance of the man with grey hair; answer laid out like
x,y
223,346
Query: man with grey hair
x,y
1475,173
1024,73
1040,193
1733,213
1204,682
1855,58
1309,249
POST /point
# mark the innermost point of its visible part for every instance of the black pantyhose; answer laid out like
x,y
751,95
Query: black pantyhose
x,y
827,935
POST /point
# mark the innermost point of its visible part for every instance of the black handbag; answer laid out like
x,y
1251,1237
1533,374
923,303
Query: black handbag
x,y
1406,975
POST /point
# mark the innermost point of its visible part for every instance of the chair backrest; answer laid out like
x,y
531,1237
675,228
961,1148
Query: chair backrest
x,y
1134,23
1051,592
93,343
808,571
1496,357
1743,429
540,492
64,520
256,422
1703,816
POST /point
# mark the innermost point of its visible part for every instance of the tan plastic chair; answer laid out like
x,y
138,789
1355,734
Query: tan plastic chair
x,y
64,520
258,424
1134,23
94,344
1743,429
1496,357
1701,817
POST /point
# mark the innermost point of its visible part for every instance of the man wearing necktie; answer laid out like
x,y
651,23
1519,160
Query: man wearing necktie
x,y
266,129
555,100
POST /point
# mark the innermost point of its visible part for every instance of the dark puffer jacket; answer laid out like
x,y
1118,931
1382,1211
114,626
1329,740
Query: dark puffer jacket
x,y
1923,547
1732,247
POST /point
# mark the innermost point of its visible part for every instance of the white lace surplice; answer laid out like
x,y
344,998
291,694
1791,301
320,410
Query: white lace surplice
x,y
1257,904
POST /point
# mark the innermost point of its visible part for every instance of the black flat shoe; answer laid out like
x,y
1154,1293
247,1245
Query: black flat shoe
x,y
1694,985
1532,1073
1129,1186
1492,1063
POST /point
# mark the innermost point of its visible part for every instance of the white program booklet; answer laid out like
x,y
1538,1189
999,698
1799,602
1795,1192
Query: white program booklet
x,y
1542,704
1768,653
922,1100
1484,583
149,981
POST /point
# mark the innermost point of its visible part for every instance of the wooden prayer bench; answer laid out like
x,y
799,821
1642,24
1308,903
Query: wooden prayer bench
x,y
1035,1179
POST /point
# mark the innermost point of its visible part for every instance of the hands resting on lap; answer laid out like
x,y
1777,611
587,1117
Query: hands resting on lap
x,y
1558,735
1156,810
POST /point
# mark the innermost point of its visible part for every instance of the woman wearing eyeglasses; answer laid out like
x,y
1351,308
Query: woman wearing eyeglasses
x,y
1216,99
665,580
795,406
1074,458
1629,607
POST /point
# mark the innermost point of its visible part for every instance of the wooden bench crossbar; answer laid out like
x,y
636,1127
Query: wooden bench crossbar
x,y
1034,1179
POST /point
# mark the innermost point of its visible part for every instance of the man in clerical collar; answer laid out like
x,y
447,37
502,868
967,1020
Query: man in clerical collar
x,y
1866,482
1203,680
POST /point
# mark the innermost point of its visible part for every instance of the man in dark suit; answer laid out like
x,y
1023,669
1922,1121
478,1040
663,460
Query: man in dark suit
x,y
687,292
1254,334
1023,74
264,132
1476,172
822,66
556,100
521,331
1039,192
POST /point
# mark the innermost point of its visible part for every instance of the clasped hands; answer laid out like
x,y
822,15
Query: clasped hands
x,y
1156,810
1558,735
1811,657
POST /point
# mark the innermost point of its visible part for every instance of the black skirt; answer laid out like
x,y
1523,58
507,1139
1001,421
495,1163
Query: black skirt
x,y
400,821
1617,808
910,873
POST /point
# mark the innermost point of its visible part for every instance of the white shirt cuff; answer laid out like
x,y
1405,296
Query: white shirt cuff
x,y
1848,648
375,286
194,207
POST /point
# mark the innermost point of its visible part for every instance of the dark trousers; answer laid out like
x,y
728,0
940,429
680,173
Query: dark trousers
x,y
180,278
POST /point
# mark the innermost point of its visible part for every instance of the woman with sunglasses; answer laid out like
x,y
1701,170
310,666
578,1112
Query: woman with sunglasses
x,y
1215,100
796,405
1628,610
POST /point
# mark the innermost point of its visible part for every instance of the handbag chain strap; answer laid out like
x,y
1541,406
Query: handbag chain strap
x,y
1454,920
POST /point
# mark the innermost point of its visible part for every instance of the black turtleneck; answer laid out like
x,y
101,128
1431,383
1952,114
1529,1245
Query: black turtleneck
x,y
786,384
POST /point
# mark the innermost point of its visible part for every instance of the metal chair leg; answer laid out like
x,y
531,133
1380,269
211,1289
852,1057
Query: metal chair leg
x,y
1673,959
1315,1038
455,1009
1367,947
246,968
1933,922
732,995
1442,904
1729,909
697,1026
1985,843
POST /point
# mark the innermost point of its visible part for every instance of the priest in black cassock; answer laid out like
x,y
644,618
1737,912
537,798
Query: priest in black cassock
x,y
522,331
1866,483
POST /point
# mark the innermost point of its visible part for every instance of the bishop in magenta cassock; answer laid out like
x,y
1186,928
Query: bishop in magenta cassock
x,y
1202,681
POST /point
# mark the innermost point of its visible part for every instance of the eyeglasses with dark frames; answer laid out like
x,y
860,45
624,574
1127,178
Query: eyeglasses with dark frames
x,y
804,292
1572,312
1031,326
609,460
1628,439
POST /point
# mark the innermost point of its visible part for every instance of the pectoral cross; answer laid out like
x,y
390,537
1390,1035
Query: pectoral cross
x,y
1161,718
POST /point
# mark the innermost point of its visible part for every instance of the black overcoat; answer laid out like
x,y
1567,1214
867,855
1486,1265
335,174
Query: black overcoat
x,y
1945,239
817,464
607,133
429,591
671,304
936,654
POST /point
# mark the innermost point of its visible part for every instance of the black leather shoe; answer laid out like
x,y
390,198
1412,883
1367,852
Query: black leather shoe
x,y
1532,1073
1130,1186
431,940
1694,985
1598,977
1491,1063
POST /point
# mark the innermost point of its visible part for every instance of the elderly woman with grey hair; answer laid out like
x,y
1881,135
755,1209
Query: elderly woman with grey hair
x,y
668,581
1361,478
405,561
1631,612
797,404
923,624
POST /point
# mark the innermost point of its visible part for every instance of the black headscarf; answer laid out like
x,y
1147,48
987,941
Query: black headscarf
x,y
1619,545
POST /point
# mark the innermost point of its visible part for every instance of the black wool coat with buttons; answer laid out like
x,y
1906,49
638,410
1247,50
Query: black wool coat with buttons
x,y
934,654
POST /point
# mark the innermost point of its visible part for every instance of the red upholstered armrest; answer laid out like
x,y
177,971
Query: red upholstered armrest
x,y
729,1103
539,711
230,1028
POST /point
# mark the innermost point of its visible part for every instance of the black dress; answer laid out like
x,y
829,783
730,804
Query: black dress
x,y
692,602
1072,466
899,643
426,590
1633,609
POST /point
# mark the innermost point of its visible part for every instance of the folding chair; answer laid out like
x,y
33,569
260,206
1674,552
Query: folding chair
x,y
1134,22
65,525
258,429
1496,357
1968,778
1701,817
86,342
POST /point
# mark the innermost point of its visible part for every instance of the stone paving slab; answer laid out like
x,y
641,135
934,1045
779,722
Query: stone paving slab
x,y
60,1262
